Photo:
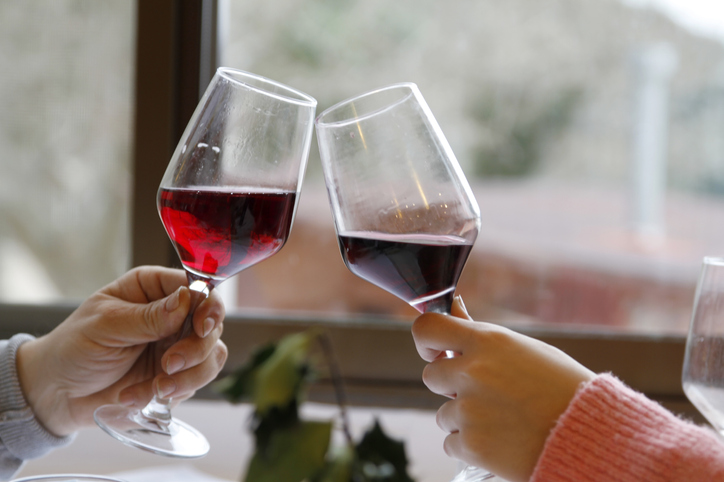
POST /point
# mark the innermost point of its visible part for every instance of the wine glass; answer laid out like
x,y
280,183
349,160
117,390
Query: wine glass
x,y
67,478
405,216
703,374
227,202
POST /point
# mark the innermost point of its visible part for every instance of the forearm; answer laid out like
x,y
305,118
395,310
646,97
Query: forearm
x,y
612,433
21,434
38,382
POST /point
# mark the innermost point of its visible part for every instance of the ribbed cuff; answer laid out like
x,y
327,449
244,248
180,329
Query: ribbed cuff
x,y
21,433
612,433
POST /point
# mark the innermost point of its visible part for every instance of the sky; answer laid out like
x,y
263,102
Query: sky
x,y
705,17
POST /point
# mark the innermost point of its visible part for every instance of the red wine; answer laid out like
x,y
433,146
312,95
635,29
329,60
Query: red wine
x,y
219,233
420,269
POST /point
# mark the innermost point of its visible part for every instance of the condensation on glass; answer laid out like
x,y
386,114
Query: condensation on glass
x,y
590,132
66,82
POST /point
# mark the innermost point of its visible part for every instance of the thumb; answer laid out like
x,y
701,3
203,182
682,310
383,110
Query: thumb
x,y
459,310
136,323
164,317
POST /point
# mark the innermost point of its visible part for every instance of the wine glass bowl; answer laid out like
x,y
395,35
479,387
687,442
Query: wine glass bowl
x,y
405,216
227,201
703,373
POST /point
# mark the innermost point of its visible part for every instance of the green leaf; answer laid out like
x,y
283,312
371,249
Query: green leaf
x,y
275,420
239,386
292,455
278,381
380,458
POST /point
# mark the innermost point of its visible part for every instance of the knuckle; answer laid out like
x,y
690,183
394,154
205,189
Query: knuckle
x,y
447,446
427,374
221,354
150,317
217,331
416,327
439,419
421,324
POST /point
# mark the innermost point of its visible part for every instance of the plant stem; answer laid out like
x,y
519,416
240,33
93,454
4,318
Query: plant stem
x,y
334,372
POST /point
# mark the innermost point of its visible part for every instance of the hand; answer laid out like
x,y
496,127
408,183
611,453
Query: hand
x,y
103,353
507,390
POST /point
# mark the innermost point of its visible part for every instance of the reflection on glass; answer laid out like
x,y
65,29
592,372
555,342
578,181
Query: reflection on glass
x,y
703,373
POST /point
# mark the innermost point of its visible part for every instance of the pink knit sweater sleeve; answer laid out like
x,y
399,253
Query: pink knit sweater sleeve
x,y
612,433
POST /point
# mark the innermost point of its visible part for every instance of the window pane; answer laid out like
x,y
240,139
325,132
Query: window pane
x,y
65,124
590,131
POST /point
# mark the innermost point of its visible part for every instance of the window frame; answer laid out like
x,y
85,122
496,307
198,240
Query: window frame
x,y
175,38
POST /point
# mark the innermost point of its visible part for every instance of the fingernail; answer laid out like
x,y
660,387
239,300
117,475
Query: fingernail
x,y
127,399
174,363
173,301
165,387
208,326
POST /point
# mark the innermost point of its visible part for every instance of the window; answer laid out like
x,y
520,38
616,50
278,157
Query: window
x,y
588,131
65,131
535,98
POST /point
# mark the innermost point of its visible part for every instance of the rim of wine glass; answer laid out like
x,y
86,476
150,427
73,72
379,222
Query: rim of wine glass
x,y
237,76
52,477
414,90
714,260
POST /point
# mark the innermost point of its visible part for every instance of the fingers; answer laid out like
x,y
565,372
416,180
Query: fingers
x,y
461,442
435,333
446,417
180,385
451,445
126,324
441,376
146,283
190,351
187,381
164,317
455,446
209,315
197,346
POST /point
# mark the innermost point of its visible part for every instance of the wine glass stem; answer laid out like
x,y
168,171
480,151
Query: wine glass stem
x,y
158,409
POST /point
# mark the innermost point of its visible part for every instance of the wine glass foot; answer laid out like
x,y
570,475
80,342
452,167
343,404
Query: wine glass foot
x,y
130,426
472,474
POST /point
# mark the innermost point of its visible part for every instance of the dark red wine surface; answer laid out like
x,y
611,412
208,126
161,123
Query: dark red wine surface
x,y
219,233
423,270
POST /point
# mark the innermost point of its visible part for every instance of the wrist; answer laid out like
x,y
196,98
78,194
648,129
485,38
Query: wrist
x,y
40,389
